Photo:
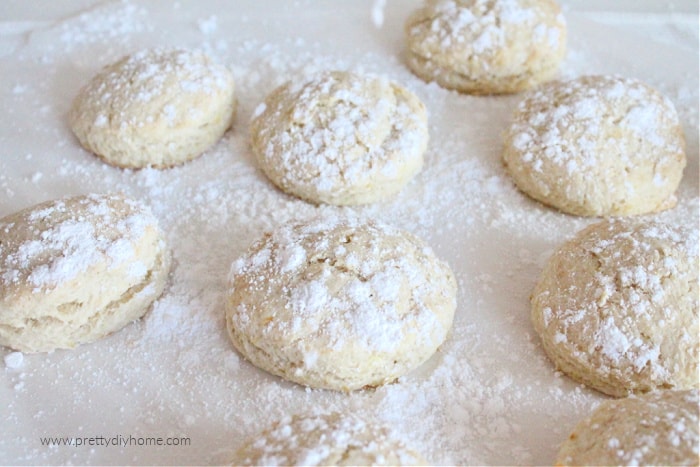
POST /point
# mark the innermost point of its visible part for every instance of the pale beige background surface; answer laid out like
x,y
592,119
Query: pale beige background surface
x,y
489,396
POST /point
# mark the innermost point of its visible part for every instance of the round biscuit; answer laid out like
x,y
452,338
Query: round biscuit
x,y
327,439
340,138
616,307
76,269
154,108
597,146
339,303
659,428
486,46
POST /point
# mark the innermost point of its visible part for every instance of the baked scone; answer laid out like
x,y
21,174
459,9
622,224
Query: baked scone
x,y
327,439
616,307
659,428
76,269
486,46
154,108
340,138
597,146
339,303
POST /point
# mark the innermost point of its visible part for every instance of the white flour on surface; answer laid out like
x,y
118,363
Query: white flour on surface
x,y
489,396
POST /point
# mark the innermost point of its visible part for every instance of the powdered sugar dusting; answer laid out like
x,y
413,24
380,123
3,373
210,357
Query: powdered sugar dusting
x,y
630,312
346,302
143,87
325,440
14,360
489,396
65,239
481,29
114,21
576,117
378,13
597,145
659,427
338,133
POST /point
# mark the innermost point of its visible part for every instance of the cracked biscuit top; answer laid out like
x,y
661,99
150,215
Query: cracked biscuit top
x,y
616,307
486,46
597,145
339,303
154,108
326,439
340,138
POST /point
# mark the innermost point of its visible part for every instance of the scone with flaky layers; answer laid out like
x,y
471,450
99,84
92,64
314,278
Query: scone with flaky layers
x,y
76,269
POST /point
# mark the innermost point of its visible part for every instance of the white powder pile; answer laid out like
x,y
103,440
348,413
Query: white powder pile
x,y
489,396
378,13
14,360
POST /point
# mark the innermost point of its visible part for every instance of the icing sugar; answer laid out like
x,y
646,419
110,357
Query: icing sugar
x,y
640,291
149,76
346,304
69,243
320,439
481,25
342,128
378,13
489,396
581,107
14,360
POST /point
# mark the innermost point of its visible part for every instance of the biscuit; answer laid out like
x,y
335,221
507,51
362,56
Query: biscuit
x,y
328,439
76,269
659,428
597,146
616,307
339,303
486,46
340,138
154,108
